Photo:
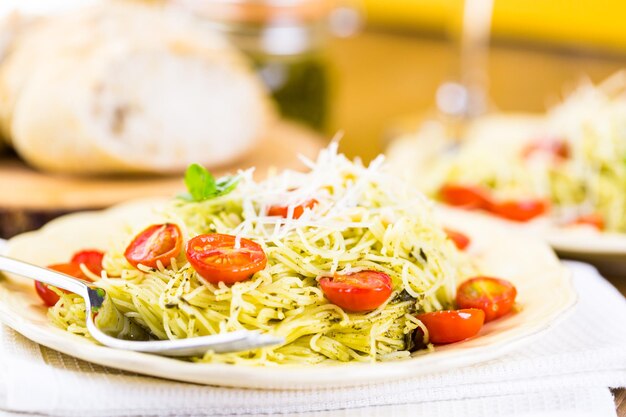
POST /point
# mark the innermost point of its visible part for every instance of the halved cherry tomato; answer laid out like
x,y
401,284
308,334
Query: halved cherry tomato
x,y
159,242
470,197
520,211
460,240
283,211
91,258
552,146
451,326
492,295
218,258
359,291
48,296
593,219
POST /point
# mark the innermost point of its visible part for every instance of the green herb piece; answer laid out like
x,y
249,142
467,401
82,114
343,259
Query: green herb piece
x,y
203,186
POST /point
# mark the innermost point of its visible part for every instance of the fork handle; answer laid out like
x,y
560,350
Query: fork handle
x,y
44,275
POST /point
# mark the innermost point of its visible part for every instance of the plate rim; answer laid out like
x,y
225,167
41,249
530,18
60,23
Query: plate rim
x,y
561,239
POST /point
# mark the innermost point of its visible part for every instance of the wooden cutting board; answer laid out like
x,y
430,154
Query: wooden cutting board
x,y
29,198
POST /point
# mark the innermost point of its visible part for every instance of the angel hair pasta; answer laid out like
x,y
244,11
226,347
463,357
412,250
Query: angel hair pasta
x,y
338,219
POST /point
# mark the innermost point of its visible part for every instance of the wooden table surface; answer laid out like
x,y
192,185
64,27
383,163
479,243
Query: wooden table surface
x,y
382,79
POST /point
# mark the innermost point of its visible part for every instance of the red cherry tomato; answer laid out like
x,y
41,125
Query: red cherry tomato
x,y
552,146
451,326
469,197
91,258
159,242
48,296
520,211
492,295
593,219
283,211
216,258
359,291
460,240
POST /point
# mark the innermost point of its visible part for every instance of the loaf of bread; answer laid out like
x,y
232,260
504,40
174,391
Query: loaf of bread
x,y
119,88
10,26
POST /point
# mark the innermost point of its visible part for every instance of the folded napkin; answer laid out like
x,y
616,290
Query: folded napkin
x,y
566,371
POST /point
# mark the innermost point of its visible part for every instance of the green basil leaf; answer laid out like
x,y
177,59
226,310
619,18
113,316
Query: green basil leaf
x,y
202,185
199,182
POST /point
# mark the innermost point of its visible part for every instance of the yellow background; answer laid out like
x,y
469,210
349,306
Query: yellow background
x,y
567,23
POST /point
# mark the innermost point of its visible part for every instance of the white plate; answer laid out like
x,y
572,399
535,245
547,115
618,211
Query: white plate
x,y
571,240
583,240
544,288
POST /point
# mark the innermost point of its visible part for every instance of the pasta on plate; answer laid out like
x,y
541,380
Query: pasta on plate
x,y
338,219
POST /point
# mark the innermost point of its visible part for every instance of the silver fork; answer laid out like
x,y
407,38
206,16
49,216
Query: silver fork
x,y
94,297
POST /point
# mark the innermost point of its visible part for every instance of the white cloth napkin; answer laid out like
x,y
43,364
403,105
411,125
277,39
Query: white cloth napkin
x,y
565,372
